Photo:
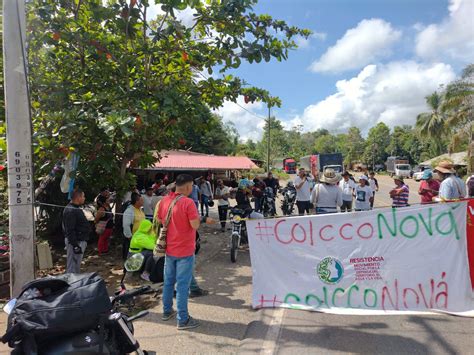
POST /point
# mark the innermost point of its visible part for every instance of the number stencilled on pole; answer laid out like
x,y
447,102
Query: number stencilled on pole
x,y
20,173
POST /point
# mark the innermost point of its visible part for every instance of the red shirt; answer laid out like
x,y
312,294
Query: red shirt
x,y
427,196
181,237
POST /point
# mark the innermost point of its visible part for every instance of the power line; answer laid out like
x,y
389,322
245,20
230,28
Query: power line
x,y
236,103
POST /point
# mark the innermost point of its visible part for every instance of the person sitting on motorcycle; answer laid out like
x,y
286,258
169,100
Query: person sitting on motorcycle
x,y
257,192
243,201
144,241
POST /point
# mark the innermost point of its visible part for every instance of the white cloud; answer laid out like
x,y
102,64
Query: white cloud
x,y
369,40
452,38
248,125
393,93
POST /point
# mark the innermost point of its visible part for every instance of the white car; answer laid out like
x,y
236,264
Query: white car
x,y
418,175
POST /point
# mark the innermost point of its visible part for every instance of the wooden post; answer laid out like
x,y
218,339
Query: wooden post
x,y
19,153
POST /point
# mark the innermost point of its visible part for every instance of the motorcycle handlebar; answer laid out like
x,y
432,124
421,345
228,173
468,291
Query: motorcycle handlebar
x,y
131,293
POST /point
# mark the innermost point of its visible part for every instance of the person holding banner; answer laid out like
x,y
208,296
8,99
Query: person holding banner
x,y
451,188
327,196
400,193
429,187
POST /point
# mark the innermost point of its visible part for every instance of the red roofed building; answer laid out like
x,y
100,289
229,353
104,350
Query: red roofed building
x,y
182,160
175,162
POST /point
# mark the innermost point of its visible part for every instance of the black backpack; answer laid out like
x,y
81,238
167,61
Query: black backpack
x,y
53,306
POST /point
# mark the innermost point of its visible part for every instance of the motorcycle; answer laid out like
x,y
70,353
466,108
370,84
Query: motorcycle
x,y
113,334
289,199
268,203
239,230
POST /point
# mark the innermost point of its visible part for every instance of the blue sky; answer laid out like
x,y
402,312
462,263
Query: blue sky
x,y
369,61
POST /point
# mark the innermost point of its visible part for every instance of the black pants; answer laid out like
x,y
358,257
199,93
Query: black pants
x,y
346,206
303,206
125,247
223,214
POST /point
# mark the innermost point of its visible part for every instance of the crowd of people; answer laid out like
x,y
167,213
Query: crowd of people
x,y
182,206
342,193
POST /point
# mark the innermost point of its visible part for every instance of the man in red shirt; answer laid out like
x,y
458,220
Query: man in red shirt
x,y
429,187
181,244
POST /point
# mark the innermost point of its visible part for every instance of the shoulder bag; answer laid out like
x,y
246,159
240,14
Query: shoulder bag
x,y
162,229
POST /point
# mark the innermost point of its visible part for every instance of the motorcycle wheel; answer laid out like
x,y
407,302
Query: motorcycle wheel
x,y
234,248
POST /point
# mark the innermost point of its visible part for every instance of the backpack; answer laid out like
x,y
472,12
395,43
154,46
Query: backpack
x,y
470,186
53,306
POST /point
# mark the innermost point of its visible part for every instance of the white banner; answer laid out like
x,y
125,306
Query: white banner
x,y
385,261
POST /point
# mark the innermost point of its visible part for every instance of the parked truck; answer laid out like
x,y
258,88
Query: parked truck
x,y
398,166
289,165
319,162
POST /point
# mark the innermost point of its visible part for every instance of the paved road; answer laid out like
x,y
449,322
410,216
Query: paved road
x,y
229,325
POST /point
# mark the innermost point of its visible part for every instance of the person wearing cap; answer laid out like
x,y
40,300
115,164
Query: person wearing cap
x,y
363,194
429,187
451,187
347,185
303,192
400,193
327,196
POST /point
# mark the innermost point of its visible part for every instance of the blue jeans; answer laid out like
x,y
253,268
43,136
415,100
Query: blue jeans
x,y
178,271
204,203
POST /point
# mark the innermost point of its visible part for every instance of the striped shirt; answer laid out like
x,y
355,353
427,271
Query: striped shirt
x,y
402,199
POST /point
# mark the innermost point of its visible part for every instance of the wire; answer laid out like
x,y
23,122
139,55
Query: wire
x,y
273,217
236,103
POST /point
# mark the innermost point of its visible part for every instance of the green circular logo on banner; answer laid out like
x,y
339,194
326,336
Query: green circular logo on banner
x,y
330,270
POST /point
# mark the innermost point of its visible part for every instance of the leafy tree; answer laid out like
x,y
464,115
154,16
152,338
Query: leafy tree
x,y
279,146
112,84
249,149
432,124
458,106
210,135
376,144
352,146
326,143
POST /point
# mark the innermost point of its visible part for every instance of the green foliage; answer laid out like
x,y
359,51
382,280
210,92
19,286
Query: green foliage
x,y
376,144
114,85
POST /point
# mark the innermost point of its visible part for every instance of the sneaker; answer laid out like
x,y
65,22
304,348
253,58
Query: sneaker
x,y
198,293
145,276
167,316
191,323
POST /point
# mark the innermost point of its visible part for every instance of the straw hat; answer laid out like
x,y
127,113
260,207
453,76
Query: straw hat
x,y
445,167
330,177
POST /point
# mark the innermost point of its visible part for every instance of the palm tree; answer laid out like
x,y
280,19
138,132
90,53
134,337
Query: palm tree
x,y
458,107
432,124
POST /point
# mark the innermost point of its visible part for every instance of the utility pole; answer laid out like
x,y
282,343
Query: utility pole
x,y
269,137
19,152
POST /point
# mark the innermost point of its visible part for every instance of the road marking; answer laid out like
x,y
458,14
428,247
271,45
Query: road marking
x,y
270,345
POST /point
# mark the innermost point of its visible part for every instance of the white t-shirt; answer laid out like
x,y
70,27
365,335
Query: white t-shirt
x,y
149,203
303,193
224,191
347,187
363,195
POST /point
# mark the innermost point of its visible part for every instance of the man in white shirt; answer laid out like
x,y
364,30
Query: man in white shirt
x,y
149,203
347,186
303,192
222,193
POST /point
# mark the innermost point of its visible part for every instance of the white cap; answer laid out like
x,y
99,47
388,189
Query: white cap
x,y
363,177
